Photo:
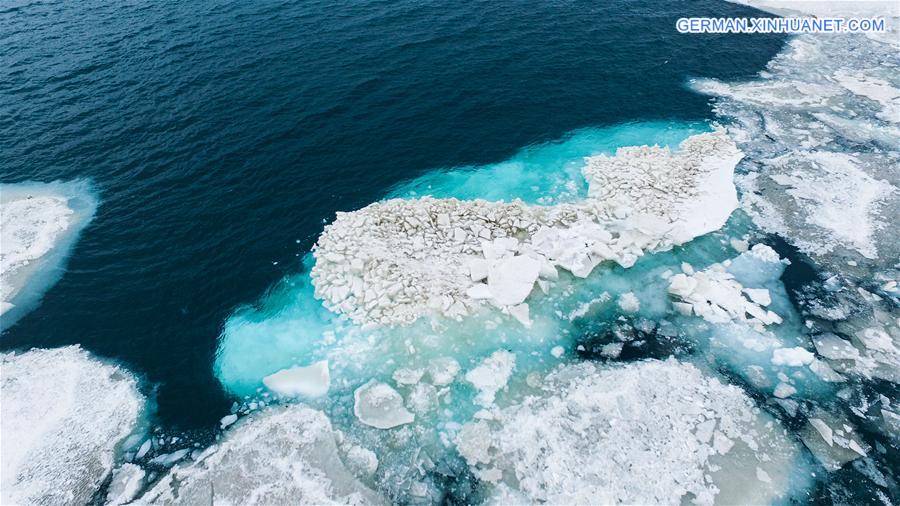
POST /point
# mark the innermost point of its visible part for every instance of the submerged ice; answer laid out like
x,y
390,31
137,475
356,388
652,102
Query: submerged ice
x,y
39,223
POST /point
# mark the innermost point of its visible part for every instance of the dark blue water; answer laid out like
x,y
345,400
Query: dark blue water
x,y
221,134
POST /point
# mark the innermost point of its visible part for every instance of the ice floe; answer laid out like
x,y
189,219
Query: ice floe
x,y
394,261
717,297
378,405
39,223
62,418
584,435
277,456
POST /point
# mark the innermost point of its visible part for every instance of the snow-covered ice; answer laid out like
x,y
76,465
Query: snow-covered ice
x,y
278,456
820,126
127,481
39,224
645,433
63,415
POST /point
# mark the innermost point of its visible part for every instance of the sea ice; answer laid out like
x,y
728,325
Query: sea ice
x,y
820,128
378,405
39,223
277,456
306,381
715,295
394,261
581,437
127,481
62,418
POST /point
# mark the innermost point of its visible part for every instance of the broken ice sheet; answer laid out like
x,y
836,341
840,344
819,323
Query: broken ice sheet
x,y
692,437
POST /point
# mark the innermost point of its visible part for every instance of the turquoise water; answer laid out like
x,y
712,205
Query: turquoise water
x,y
547,173
286,328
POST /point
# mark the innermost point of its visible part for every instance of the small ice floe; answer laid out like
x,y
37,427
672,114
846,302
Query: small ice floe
x,y
715,295
629,303
378,405
693,437
304,381
793,357
227,420
408,376
64,414
293,447
362,461
169,459
142,451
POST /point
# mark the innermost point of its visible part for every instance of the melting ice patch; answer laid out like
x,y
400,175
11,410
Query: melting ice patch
x,y
62,419
39,224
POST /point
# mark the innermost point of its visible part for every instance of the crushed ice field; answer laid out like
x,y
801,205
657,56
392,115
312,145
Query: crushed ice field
x,y
642,314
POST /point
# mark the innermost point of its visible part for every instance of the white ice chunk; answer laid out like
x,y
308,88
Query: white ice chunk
x,y
784,390
629,303
491,376
511,279
792,357
302,381
759,296
443,370
408,376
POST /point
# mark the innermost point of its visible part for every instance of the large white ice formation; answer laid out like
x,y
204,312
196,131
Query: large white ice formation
x,y
646,433
39,223
282,455
62,417
394,261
